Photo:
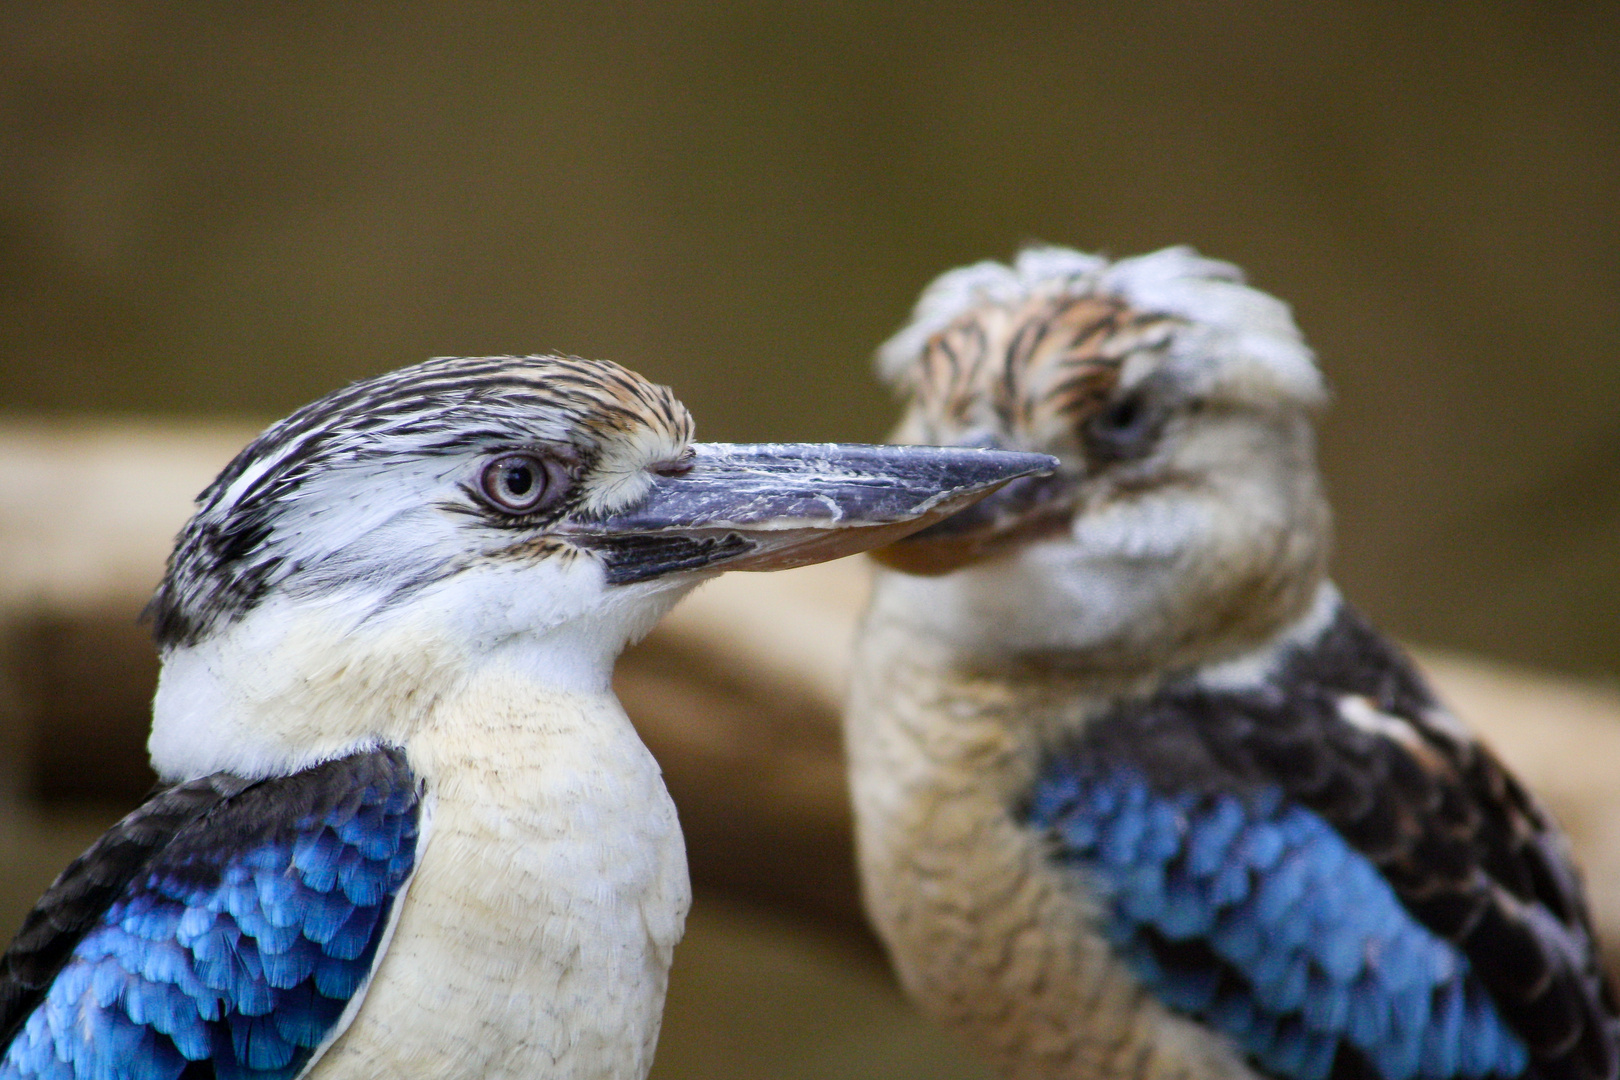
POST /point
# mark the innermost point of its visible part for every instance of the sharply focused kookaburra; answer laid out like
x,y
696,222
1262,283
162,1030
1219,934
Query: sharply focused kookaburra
x,y
1137,794
410,832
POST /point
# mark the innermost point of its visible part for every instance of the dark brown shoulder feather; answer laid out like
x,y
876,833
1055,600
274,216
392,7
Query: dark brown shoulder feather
x,y
1470,853
82,893
1347,727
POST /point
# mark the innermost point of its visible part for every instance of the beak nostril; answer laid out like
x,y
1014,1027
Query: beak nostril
x,y
671,468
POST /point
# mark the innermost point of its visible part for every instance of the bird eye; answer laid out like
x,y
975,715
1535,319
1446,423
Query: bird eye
x,y
1123,429
517,483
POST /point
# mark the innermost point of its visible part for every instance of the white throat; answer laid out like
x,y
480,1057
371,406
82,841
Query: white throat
x,y
298,682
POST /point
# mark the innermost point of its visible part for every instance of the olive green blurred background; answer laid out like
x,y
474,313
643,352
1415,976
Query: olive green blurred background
x,y
223,211
230,209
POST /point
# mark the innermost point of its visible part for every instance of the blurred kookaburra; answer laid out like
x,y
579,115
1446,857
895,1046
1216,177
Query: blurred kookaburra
x,y
410,832
1137,794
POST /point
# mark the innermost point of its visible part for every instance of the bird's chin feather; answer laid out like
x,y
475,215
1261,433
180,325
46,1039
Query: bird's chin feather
x,y
301,681
1027,509
933,556
1123,582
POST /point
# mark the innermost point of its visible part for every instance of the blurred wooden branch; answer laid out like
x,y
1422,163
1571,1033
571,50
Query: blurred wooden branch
x,y
737,692
89,510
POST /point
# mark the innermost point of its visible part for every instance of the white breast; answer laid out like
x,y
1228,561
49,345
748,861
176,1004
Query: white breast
x,y
536,935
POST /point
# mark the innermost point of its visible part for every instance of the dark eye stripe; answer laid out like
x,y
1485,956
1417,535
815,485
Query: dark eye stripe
x,y
223,564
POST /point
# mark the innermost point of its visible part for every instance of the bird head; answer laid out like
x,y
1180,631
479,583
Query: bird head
x,y
1186,518
378,547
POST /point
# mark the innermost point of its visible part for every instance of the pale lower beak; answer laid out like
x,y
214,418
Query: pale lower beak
x,y
770,506
1030,506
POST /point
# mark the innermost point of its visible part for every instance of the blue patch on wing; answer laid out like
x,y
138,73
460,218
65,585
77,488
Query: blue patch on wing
x,y
241,942
1254,915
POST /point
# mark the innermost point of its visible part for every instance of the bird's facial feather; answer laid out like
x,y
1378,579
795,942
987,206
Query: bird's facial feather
x,y
386,484
307,678
376,547
1179,402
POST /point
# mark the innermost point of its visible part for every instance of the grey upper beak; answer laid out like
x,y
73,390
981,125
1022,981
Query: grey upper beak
x,y
769,506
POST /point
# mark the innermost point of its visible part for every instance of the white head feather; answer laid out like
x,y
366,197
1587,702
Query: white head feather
x,y
1204,539
1262,351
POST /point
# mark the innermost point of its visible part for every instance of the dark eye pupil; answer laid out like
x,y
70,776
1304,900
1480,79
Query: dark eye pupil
x,y
516,483
518,479
1123,414
1125,429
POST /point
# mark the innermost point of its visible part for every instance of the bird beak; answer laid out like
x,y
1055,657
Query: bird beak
x,y
771,506
1030,506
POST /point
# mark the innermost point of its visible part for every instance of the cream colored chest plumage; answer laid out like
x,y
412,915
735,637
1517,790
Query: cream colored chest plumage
x,y
984,931
535,936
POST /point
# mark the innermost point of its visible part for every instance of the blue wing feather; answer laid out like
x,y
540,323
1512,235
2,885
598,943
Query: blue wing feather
x,y
238,941
1293,875
1252,913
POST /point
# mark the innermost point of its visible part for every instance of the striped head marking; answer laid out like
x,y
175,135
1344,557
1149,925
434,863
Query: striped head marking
x,y
1179,401
1026,355
1032,369
384,486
